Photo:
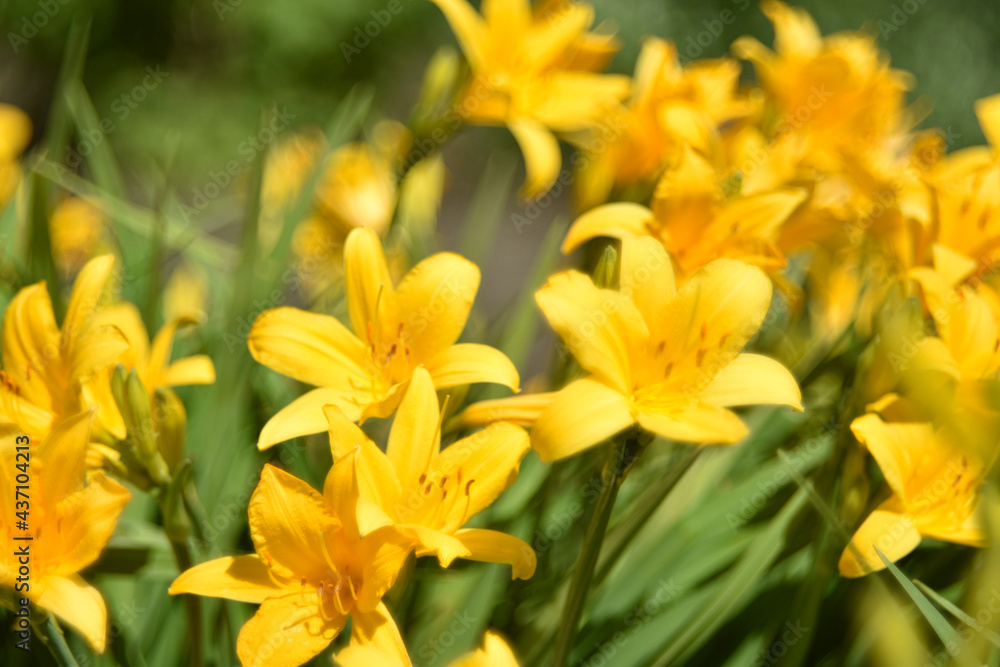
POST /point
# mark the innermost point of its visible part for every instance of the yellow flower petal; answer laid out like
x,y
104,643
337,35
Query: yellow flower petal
x,y
241,578
469,29
647,277
760,215
198,369
31,340
541,155
286,519
384,552
342,493
988,113
366,276
61,458
344,433
90,517
600,326
79,605
431,542
894,534
415,438
468,363
95,351
434,300
522,410
377,630
710,320
617,221
753,379
696,422
86,294
581,415
304,416
312,348
286,632
890,445
126,318
490,546
495,653
357,655
489,461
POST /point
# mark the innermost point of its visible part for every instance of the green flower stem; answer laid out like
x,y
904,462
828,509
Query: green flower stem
x,y
624,451
182,554
52,636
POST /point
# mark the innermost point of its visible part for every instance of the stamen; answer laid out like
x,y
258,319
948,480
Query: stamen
x,y
326,553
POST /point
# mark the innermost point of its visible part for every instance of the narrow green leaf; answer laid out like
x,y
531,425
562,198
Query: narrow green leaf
x,y
958,613
942,628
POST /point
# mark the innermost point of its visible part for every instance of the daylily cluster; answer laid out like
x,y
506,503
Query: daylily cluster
x,y
64,397
52,372
321,559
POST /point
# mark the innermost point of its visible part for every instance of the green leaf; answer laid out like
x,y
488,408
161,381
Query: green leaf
x,y
958,613
942,628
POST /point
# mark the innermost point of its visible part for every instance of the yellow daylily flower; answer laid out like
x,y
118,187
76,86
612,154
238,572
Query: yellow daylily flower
x,y
533,71
430,493
152,361
15,134
967,321
51,373
395,330
312,571
966,187
838,91
668,359
694,220
76,229
494,653
356,187
671,105
935,484
71,517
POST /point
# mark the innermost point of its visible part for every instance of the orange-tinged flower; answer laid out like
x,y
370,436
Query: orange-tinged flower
x,y
695,221
837,91
313,570
534,72
668,359
670,106
935,484
51,373
72,515
395,330
430,493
